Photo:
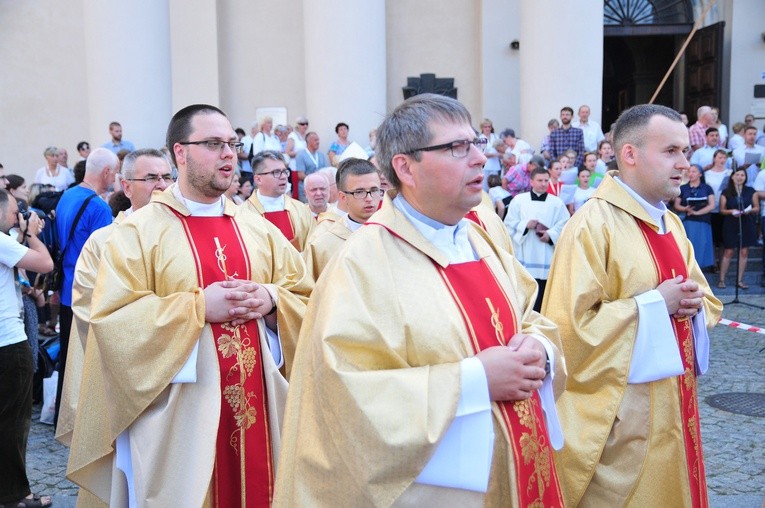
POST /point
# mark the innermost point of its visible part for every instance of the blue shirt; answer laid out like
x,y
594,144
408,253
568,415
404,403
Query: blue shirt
x,y
116,147
95,216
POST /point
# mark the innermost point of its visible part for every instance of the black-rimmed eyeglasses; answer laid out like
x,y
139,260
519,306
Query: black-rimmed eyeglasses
x,y
459,148
362,194
153,178
216,145
277,173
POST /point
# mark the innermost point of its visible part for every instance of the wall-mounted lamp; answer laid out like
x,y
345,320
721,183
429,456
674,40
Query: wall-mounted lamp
x,y
515,45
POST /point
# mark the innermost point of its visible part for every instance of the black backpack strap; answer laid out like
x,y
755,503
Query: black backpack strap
x,y
74,225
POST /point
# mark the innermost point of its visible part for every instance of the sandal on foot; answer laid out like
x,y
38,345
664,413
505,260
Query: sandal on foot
x,y
31,502
721,284
741,285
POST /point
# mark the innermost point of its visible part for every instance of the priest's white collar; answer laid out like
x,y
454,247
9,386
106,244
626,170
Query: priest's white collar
x,y
451,240
352,224
198,209
656,213
271,204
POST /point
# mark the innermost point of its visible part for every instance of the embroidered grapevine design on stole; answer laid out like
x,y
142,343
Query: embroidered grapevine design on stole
x,y
490,321
237,343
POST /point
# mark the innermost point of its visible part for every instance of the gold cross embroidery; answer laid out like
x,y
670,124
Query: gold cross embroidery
x,y
220,255
495,322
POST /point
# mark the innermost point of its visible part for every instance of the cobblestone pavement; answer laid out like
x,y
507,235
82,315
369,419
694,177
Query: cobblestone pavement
x,y
733,443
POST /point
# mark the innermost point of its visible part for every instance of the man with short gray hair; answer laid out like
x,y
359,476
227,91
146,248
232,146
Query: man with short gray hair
x,y
698,131
80,212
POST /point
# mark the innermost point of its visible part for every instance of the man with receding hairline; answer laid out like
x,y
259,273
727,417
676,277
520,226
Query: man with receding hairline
x,y
143,172
317,193
196,305
94,213
633,309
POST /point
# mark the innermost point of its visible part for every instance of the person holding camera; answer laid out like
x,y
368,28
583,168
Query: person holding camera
x,y
16,363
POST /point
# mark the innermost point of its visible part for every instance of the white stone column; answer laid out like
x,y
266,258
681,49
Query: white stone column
x,y
345,66
127,63
561,61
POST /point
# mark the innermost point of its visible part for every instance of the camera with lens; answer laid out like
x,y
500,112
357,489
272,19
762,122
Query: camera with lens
x,y
27,212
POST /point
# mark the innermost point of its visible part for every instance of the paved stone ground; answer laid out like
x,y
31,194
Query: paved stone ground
x,y
733,444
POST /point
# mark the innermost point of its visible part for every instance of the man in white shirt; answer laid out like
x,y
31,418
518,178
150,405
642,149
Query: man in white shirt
x,y
704,156
16,362
593,133
521,149
749,156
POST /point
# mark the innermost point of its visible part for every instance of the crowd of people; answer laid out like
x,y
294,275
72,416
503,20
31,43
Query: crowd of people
x,y
198,279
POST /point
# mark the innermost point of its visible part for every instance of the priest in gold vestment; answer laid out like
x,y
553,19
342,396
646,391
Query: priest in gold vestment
x,y
143,171
292,217
396,396
151,407
633,310
360,193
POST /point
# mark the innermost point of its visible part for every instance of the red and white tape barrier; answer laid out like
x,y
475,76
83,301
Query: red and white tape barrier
x,y
742,326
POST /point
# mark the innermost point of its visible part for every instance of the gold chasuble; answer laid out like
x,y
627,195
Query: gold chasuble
x,y
147,316
243,474
669,264
626,444
377,380
295,222
491,321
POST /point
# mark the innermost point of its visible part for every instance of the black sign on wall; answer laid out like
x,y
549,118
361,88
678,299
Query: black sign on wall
x,y
429,83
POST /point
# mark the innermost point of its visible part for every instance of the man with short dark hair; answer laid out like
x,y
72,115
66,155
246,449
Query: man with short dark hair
x,y
633,308
360,192
535,220
82,204
117,144
292,217
567,137
196,305
704,156
420,366
749,155
16,362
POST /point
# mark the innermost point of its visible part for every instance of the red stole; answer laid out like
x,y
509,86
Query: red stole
x,y
473,215
295,182
554,188
243,473
669,264
491,321
283,222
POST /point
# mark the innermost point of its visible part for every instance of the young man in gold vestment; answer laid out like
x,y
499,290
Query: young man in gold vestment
x,y
633,309
421,366
196,305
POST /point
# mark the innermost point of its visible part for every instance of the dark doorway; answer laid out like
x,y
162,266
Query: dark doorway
x,y
633,67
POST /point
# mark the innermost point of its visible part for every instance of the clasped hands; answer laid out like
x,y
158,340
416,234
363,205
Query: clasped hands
x,y
236,301
514,371
682,296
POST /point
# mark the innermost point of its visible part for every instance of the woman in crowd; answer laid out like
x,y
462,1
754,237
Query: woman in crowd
x,y
58,176
17,188
583,191
739,205
245,188
605,155
493,164
717,178
499,196
339,146
265,139
590,163
233,190
696,201
555,185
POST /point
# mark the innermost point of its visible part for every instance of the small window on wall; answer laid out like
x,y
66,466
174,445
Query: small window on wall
x,y
647,12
